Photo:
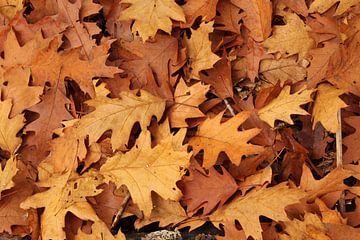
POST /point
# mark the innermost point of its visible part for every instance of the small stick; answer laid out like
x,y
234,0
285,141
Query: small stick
x,y
229,107
339,162
121,210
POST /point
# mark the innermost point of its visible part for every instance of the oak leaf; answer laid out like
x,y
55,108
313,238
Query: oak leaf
x,y
264,202
17,88
99,231
196,8
66,193
199,50
152,15
51,66
319,63
323,5
166,212
186,103
9,7
219,78
7,174
282,70
352,154
332,182
228,18
285,105
196,186
52,111
326,106
144,169
214,138
9,128
258,17
291,38
118,115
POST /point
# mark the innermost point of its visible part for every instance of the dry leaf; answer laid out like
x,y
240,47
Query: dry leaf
x,y
323,5
152,15
291,38
144,169
352,153
326,106
186,103
258,17
214,140
285,105
199,50
264,202
7,174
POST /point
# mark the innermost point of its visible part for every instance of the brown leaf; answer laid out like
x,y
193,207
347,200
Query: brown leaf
x,y
197,185
257,18
219,78
352,153
228,18
195,8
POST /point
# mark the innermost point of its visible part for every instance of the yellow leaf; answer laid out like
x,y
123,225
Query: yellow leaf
x,y
214,137
327,104
285,105
268,202
8,8
152,15
291,38
323,5
118,115
66,193
7,174
144,169
199,50
99,230
9,127
187,101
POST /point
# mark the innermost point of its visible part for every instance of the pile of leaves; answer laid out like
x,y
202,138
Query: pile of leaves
x,y
177,114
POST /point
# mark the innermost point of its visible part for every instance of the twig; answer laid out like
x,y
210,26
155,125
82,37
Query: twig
x,y
121,210
339,162
229,107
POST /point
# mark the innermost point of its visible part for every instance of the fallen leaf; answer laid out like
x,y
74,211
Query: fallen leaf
x,y
9,127
152,15
352,153
214,140
264,202
66,193
258,17
186,103
285,105
326,106
228,18
144,169
196,8
323,5
293,38
7,174
10,7
196,186
199,50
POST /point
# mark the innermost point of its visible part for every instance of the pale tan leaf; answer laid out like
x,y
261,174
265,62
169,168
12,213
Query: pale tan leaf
x,y
144,169
261,202
199,50
152,15
323,5
326,106
7,174
285,105
291,38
